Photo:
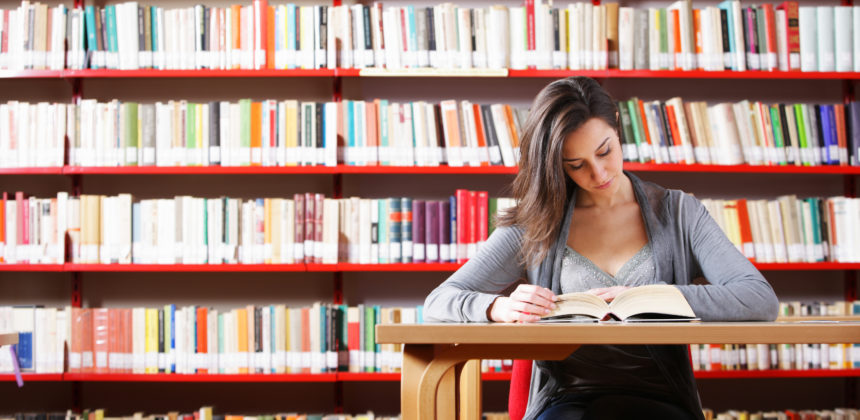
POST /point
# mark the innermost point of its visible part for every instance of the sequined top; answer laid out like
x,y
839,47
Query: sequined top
x,y
610,368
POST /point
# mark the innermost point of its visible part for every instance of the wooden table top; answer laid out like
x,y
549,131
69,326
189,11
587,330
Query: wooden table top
x,y
8,339
621,333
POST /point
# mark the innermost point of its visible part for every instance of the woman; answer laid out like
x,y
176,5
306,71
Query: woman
x,y
583,224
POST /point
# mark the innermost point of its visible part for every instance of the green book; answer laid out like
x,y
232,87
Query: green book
x,y
222,349
132,129
492,208
778,139
113,45
370,338
665,54
816,226
382,231
637,127
801,131
190,131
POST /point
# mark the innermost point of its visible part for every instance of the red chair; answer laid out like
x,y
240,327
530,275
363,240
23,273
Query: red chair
x,y
518,395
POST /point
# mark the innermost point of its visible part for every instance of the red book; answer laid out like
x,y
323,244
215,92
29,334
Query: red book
x,y
270,37
353,338
370,110
273,126
101,319
75,345
482,205
531,44
841,136
472,247
113,332
306,339
261,8
769,38
404,37
3,227
792,26
23,224
482,140
462,240
202,336
86,340
676,35
127,345
746,229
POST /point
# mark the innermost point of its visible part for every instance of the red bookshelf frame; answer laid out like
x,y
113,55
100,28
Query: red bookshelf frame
x,y
334,268
694,74
431,170
379,377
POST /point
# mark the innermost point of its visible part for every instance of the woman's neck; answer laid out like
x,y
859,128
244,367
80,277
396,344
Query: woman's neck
x,y
622,194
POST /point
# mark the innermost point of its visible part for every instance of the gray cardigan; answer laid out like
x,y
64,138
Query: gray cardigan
x,y
686,244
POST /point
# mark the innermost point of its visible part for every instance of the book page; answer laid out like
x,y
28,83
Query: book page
x,y
657,299
579,304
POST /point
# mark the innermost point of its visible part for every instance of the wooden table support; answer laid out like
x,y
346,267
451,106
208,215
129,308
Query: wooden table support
x,y
441,362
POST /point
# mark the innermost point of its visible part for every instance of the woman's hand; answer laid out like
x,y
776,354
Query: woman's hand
x,y
526,304
607,293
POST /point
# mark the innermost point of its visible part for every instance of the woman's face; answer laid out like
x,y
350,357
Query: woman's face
x,y
591,157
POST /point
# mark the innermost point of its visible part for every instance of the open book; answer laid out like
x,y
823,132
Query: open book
x,y
656,302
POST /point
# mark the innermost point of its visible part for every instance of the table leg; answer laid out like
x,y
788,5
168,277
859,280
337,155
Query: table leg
x,y
469,383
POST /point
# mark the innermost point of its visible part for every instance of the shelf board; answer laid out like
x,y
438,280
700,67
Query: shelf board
x,y
32,267
411,267
761,169
33,377
202,377
203,73
426,72
339,267
431,170
775,373
200,170
696,74
197,268
32,171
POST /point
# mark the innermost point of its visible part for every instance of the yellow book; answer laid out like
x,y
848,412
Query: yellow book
x,y
292,141
151,344
242,338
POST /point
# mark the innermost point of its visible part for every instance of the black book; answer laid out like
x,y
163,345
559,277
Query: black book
x,y
787,141
440,138
817,135
323,34
472,29
431,30
492,139
627,136
670,141
368,40
204,42
258,338
724,24
141,31
319,128
215,131
852,123
555,35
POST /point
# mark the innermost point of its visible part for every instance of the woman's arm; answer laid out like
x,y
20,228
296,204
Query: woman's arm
x,y
737,290
468,293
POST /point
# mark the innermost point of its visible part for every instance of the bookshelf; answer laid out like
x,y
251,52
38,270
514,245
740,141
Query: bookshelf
x,y
342,179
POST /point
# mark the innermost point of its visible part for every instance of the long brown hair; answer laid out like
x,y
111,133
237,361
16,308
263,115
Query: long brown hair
x,y
542,188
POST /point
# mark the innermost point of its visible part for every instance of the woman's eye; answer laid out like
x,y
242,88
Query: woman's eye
x,y
574,167
608,149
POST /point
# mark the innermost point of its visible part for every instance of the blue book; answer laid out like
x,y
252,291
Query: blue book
x,y
828,141
382,231
350,154
153,30
377,312
833,148
113,44
92,45
419,314
291,37
172,358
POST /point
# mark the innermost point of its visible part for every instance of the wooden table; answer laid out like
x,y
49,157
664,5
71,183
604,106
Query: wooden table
x,y
438,366
8,339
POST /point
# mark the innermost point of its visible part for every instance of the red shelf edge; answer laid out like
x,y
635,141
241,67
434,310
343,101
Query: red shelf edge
x,y
33,377
202,377
352,72
339,267
775,373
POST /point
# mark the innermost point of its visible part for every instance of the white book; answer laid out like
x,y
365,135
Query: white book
x,y
844,38
391,29
625,37
470,142
451,127
825,38
516,27
855,37
503,135
807,21
376,31
364,239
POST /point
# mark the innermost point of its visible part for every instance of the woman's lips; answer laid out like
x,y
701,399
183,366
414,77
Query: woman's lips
x,y
605,185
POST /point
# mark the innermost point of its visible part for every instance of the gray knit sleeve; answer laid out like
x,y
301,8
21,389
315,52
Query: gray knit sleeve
x,y
468,293
737,290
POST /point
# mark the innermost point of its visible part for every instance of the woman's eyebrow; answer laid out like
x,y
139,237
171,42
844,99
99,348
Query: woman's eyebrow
x,y
598,148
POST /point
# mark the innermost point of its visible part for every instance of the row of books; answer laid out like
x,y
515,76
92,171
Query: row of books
x,y
712,357
790,229
204,413
308,228
260,133
379,132
282,339
788,414
575,36
755,133
196,339
807,309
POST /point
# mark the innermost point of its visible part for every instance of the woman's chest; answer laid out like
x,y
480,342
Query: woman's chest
x,y
608,238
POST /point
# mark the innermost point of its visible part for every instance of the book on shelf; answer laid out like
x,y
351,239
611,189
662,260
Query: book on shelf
x,y
657,302
308,228
537,35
